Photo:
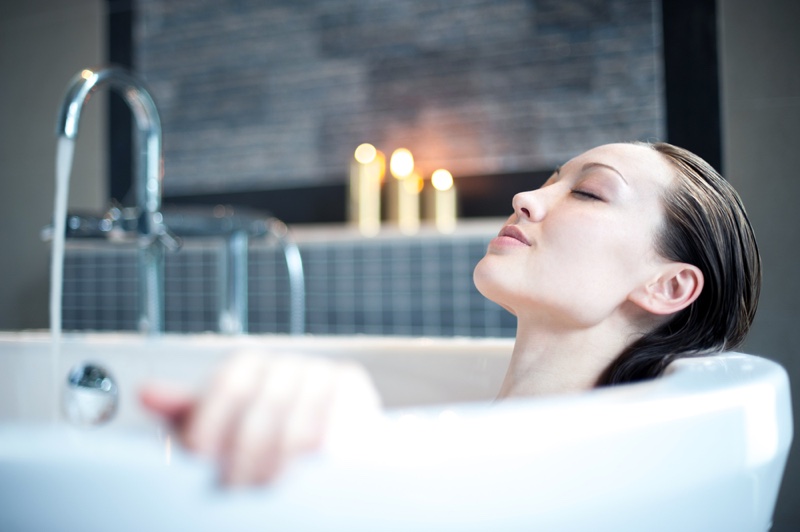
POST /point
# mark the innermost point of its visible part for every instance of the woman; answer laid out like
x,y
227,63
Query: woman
x,y
629,257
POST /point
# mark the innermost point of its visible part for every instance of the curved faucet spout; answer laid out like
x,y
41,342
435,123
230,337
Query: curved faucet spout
x,y
145,113
148,175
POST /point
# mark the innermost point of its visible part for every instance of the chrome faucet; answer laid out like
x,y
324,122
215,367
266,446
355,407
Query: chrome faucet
x,y
275,228
153,235
233,312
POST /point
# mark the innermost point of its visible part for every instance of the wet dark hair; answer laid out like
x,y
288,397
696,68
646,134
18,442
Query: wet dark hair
x,y
706,226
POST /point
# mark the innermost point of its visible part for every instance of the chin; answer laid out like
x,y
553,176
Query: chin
x,y
489,282
481,276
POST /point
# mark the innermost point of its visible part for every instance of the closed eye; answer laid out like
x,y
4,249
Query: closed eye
x,y
586,195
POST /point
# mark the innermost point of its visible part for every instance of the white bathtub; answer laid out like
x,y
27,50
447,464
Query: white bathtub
x,y
702,448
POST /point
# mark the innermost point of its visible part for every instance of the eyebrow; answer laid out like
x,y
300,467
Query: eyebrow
x,y
592,165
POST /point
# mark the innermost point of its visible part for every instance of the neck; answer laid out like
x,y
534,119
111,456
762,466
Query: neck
x,y
547,361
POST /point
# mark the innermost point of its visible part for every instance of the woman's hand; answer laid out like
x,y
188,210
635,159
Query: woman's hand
x,y
262,411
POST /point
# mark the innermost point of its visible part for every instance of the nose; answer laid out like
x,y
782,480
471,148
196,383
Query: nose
x,y
530,205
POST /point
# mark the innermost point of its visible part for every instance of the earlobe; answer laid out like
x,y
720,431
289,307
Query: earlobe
x,y
673,290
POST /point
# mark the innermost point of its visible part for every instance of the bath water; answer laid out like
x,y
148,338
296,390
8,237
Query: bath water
x,y
64,153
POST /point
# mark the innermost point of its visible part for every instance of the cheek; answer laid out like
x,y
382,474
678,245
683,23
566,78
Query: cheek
x,y
610,240
600,263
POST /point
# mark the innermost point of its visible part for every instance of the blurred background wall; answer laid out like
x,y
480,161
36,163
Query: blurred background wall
x,y
264,95
760,88
44,42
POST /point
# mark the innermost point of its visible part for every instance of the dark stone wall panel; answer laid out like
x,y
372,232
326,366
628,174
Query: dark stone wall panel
x,y
270,95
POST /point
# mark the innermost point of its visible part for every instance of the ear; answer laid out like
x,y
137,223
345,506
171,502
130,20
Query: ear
x,y
676,287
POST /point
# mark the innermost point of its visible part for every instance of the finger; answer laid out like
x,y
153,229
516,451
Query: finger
x,y
169,400
253,452
218,412
307,421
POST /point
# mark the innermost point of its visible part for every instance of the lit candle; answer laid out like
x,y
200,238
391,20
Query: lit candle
x,y
366,173
403,192
440,201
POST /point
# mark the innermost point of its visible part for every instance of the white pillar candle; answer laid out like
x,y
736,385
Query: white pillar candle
x,y
441,201
366,174
403,192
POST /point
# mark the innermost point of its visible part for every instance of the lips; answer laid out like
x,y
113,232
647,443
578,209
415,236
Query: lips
x,y
512,231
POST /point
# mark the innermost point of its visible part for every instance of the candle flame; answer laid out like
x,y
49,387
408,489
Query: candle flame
x,y
401,163
442,179
366,153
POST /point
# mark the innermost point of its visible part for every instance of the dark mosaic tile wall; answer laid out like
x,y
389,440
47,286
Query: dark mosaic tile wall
x,y
257,95
409,286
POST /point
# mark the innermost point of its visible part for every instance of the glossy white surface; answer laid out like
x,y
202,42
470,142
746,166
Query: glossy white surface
x,y
702,448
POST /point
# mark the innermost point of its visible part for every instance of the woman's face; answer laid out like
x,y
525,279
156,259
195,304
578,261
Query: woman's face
x,y
575,249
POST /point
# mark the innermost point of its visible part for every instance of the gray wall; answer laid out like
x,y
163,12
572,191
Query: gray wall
x,y
43,43
265,95
760,67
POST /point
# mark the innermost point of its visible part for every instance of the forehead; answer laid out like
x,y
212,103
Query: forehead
x,y
639,165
